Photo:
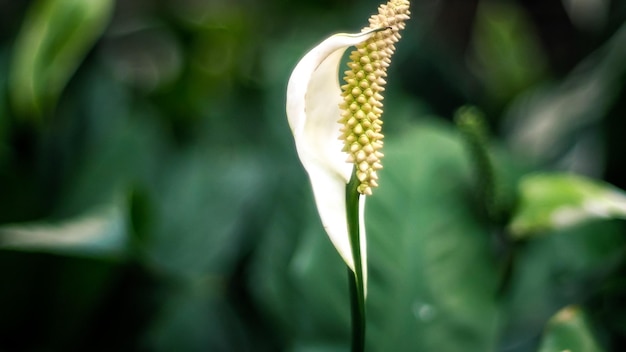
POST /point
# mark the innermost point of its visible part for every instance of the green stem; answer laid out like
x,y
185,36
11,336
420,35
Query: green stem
x,y
358,315
357,287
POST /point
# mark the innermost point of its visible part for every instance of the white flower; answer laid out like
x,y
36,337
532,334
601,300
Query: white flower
x,y
335,131
313,98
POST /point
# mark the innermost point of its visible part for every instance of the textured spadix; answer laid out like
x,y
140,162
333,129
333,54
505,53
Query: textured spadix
x,y
362,100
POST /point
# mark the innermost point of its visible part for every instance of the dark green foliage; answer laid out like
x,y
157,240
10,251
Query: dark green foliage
x,y
151,198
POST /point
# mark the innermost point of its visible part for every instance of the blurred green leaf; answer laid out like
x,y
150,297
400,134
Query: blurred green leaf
x,y
547,123
433,273
54,39
197,317
98,233
564,267
568,330
200,201
552,201
303,283
507,54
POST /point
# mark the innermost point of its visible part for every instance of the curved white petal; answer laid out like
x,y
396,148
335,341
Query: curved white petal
x,y
313,97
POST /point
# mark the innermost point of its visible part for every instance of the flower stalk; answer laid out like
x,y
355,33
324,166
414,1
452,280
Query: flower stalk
x,y
354,213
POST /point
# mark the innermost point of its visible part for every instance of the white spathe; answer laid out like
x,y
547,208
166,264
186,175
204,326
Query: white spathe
x,y
313,98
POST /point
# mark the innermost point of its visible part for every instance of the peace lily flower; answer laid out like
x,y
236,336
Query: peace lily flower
x,y
337,130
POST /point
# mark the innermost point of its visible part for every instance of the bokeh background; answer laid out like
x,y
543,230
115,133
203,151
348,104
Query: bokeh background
x,y
151,198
